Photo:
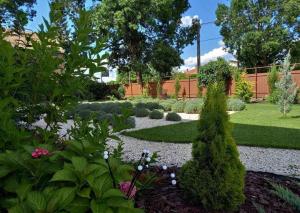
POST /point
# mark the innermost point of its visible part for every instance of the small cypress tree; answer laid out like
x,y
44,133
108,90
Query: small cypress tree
x,y
215,176
272,79
177,87
287,89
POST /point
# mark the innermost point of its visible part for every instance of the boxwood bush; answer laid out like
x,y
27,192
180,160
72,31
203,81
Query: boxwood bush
x,y
173,116
141,112
193,106
234,104
178,106
156,114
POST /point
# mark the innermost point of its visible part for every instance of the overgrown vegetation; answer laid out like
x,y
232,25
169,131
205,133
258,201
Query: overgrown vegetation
x,y
215,176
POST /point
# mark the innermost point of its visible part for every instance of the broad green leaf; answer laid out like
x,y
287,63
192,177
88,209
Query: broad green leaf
x,y
36,201
119,202
113,193
100,207
79,163
4,171
85,192
79,205
131,210
22,190
64,175
16,209
61,198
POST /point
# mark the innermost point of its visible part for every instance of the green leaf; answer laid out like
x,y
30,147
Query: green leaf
x,y
61,198
16,209
100,207
85,192
79,205
22,190
113,193
4,171
119,202
64,175
79,163
36,200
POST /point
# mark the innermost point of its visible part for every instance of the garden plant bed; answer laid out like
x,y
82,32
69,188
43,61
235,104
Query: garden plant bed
x,y
163,197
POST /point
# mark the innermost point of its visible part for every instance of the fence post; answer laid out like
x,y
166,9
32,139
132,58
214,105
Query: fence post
x,y
189,87
256,83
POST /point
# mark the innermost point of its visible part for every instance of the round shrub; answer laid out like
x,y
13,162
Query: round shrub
x,y
141,112
178,106
193,106
156,114
130,122
84,113
234,104
105,117
173,116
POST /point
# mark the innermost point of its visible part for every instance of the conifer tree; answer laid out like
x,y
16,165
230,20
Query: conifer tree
x,y
215,176
286,87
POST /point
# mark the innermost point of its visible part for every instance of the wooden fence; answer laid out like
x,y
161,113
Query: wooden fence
x,y
189,86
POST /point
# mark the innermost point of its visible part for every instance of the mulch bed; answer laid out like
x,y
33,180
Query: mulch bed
x,y
163,197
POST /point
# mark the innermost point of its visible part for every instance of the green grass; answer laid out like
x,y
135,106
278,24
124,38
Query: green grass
x,y
259,125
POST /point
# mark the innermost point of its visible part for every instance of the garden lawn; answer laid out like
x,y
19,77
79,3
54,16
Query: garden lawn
x,y
258,125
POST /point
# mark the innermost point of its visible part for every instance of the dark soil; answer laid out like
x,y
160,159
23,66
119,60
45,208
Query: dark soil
x,y
163,197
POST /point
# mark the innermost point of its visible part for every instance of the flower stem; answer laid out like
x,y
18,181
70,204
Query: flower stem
x,y
111,174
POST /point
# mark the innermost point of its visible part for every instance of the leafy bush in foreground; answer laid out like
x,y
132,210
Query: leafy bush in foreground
x,y
234,104
178,106
141,112
173,116
156,114
193,106
215,176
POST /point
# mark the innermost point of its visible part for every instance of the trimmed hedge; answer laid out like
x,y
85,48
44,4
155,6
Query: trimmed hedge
x,y
234,104
141,112
193,106
156,114
173,116
178,106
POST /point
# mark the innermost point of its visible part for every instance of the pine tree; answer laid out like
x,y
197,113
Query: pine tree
x,y
287,89
215,176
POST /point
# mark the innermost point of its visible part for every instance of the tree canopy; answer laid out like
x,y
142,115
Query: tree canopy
x,y
259,32
140,32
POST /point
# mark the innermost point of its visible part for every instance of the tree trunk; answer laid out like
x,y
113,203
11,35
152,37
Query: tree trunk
x,y
139,78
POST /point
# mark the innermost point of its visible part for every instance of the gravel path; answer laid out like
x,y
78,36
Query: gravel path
x,y
278,161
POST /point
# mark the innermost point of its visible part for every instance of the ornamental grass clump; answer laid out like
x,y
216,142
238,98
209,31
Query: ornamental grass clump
x,y
215,175
178,106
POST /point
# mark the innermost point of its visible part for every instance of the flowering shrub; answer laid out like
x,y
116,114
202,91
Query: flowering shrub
x,y
193,106
178,106
38,152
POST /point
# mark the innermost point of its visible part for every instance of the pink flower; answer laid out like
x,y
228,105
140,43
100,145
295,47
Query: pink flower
x,y
38,152
124,187
34,155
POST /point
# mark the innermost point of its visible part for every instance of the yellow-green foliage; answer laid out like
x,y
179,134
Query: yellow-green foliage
x,y
215,176
243,88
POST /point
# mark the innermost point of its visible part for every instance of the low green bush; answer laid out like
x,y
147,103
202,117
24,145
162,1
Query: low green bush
x,y
173,116
178,106
105,117
167,104
156,114
234,104
141,112
193,106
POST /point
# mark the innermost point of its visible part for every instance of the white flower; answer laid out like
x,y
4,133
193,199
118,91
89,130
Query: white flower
x,y
147,166
148,159
140,167
105,157
145,151
105,152
172,175
173,182
164,167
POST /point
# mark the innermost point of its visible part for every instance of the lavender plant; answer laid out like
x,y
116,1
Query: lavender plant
x,y
286,87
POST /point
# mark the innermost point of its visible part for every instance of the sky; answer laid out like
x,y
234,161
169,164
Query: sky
x,y
204,9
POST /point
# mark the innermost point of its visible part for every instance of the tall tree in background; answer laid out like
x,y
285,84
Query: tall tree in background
x,y
16,13
259,32
142,32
